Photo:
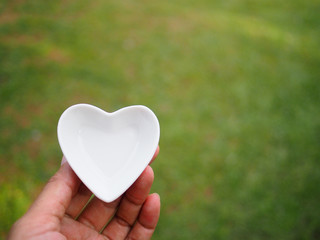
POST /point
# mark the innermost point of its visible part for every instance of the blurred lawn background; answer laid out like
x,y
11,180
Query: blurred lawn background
x,y
235,85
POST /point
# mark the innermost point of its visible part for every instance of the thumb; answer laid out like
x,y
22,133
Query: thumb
x,y
57,194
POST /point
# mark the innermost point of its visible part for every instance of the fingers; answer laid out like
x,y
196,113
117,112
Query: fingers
x,y
79,201
57,194
143,228
155,154
74,230
148,219
98,213
130,206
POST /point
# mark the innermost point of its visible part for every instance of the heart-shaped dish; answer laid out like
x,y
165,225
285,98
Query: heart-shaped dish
x,y
108,151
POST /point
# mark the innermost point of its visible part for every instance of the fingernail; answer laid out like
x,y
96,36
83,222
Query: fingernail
x,y
63,161
157,195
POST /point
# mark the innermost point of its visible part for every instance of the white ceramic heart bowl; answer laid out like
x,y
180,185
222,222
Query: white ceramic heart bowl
x,y
108,151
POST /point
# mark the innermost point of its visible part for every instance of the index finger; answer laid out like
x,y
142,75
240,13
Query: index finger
x,y
155,155
57,194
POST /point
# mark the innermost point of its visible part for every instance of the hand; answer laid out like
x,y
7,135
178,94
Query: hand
x,y
57,212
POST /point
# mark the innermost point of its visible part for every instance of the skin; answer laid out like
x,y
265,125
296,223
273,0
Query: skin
x,y
56,213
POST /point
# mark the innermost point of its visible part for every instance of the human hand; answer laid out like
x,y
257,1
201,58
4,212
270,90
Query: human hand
x,y
57,212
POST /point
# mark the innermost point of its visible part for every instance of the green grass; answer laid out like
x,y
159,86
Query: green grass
x,y
235,85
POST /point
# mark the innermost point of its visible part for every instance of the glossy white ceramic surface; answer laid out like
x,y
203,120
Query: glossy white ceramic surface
x,y
108,151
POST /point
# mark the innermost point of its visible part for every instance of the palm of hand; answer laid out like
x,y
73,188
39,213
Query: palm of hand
x,y
58,212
